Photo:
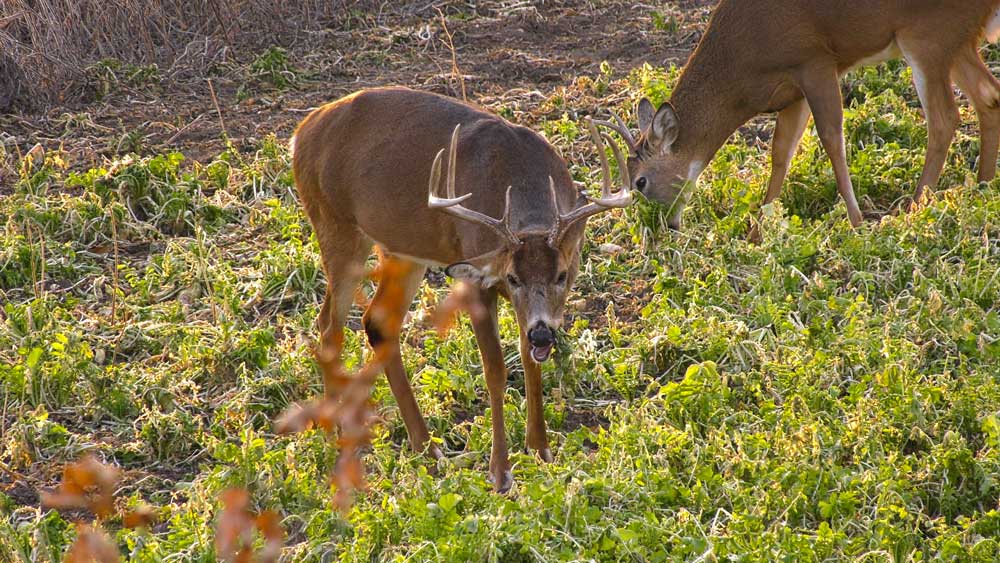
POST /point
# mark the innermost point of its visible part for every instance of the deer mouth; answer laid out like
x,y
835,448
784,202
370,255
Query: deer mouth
x,y
541,353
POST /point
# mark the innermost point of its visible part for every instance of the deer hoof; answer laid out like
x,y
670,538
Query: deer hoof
x,y
754,236
506,483
546,455
435,456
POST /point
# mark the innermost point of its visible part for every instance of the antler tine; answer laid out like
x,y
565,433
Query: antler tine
x,y
433,201
552,194
622,162
435,178
452,161
557,224
621,128
505,219
452,205
609,199
605,169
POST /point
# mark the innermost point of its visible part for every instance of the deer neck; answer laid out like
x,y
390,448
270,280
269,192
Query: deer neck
x,y
710,103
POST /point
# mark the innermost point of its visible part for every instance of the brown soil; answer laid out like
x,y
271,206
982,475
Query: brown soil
x,y
510,57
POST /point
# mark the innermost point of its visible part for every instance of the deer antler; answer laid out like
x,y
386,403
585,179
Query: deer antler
x,y
452,205
608,199
622,129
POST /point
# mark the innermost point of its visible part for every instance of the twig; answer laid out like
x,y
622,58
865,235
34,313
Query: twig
x,y
218,110
114,273
222,25
450,43
181,131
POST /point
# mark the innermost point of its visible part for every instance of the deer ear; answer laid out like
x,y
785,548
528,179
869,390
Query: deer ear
x,y
664,129
465,271
645,110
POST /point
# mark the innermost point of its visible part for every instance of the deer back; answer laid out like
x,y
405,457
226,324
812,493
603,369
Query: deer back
x,y
367,159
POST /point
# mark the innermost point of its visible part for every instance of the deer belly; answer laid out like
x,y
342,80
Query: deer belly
x,y
890,52
993,27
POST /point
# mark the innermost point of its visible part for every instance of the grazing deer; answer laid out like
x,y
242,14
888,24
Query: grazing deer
x,y
787,56
362,165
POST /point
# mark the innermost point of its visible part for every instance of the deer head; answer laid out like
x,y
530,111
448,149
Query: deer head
x,y
533,269
663,171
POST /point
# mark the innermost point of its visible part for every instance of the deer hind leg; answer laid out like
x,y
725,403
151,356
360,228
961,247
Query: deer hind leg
x,y
397,285
931,64
487,333
983,89
821,85
344,252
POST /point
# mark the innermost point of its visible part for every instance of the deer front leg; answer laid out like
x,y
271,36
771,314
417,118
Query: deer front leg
x,y
821,86
536,438
487,334
396,288
788,130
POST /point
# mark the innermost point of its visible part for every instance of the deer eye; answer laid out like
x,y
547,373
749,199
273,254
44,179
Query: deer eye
x,y
562,278
513,281
640,183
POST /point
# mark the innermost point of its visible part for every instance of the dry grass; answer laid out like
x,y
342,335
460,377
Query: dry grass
x,y
46,46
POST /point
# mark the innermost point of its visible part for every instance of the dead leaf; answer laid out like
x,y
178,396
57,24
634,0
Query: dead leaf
x,y
235,533
85,484
92,546
464,297
269,524
141,517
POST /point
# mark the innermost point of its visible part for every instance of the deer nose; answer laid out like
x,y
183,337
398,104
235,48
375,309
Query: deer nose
x,y
541,336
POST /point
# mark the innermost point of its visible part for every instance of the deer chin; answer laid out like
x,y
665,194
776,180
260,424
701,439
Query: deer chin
x,y
541,353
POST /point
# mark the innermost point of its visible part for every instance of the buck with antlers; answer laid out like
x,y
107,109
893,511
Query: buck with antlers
x,y
787,56
510,220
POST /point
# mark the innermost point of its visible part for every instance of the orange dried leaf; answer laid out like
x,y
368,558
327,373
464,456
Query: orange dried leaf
x,y
299,418
92,546
141,517
87,484
295,419
269,524
347,405
234,534
464,297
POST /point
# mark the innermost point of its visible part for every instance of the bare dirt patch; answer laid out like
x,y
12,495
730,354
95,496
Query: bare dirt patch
x,y
503,54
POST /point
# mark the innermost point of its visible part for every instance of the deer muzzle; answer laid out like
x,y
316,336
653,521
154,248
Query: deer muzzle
x,y
542,339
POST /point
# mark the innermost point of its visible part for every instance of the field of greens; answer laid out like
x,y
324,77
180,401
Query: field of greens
x,y
828,394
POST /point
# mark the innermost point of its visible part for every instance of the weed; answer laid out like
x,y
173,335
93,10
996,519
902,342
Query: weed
x,y
665,22
270,70
107,76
